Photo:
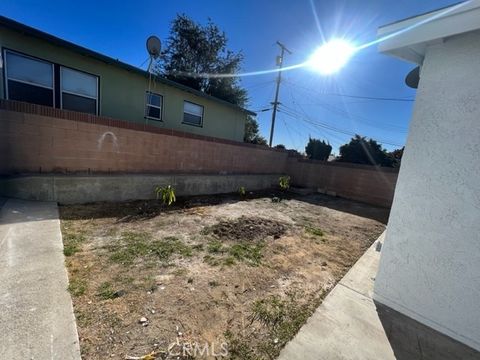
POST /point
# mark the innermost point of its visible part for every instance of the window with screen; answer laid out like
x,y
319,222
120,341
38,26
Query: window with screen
x,y
29,79
79,91
154,105
192,114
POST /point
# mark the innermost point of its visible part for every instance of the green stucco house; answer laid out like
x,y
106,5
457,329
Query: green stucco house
x,y
40,68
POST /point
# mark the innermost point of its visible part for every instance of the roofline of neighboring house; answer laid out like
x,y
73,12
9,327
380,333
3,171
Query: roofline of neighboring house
x,y
27,30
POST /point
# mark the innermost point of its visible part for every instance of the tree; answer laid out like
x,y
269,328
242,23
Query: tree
x,y
193,51
280,146
252,132
396,156
362,151
318,149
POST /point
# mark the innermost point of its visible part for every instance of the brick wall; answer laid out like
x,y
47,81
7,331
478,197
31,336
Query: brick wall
x,y
370,184
37,139
41,139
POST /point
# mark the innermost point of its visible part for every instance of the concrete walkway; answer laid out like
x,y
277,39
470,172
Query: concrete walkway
x,y
350,325
36,314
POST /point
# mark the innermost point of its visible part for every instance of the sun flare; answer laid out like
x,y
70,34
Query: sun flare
x,y
331,56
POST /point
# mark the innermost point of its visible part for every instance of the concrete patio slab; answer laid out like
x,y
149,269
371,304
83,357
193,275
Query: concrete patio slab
x,y
350,325
36,314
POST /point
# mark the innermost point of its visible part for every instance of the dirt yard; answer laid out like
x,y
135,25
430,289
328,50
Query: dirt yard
x,y
209,276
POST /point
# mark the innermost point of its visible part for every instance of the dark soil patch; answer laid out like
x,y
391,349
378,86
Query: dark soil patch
x,y
247,229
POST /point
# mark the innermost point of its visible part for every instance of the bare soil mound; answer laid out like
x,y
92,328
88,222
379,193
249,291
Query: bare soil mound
x,y
247,229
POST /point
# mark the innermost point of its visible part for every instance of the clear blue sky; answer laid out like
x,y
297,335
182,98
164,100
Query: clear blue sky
x,y
119,29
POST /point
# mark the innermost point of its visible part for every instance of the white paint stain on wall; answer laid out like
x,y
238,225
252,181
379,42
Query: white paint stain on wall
x,y
114,141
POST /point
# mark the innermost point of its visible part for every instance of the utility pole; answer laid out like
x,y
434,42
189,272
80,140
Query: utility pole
x,y
279,79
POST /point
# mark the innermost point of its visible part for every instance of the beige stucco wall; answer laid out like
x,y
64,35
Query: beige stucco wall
x,y
430,263
122,92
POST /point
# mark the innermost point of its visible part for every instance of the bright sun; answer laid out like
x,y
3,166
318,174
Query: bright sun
x,y
331,56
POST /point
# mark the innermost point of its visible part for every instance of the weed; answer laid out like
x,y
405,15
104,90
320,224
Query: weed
x,y
250,253
83,318
198,247
282,317
106,291
136,245
314,231
239,348
241,191
180,272
166,194
77,287
72,242
246,252
149,284
229,261
214,246
169,246
284,182
141,245
212,261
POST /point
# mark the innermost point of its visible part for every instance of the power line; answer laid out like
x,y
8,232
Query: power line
x,y
342,112
327,126
258,85
289,133
324,132
353,96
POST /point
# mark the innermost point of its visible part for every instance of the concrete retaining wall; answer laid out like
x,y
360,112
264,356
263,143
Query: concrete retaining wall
x,y
71,189
369,184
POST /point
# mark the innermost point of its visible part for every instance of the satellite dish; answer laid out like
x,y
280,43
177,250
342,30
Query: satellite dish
x,y
413,78
153,46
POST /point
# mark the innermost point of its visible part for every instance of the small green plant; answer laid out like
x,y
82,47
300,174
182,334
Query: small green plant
x,y
166,194
72,243
136,245
241,191
249,253
106,291
282,318
284,182
214,246
77,287
314,231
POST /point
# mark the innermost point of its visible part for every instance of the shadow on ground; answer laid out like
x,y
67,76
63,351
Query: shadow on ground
x,y
411,340
147,209
21,211
349,206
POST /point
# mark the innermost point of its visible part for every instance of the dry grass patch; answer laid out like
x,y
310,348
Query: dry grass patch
x,y
212,271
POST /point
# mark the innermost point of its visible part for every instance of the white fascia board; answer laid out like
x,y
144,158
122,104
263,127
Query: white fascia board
x,y
413,35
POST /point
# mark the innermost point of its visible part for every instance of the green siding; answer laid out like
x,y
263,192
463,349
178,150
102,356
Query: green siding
x,y
122,92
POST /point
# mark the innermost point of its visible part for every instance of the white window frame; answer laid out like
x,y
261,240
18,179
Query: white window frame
x,y
186,112
77,94
5,64
147,105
